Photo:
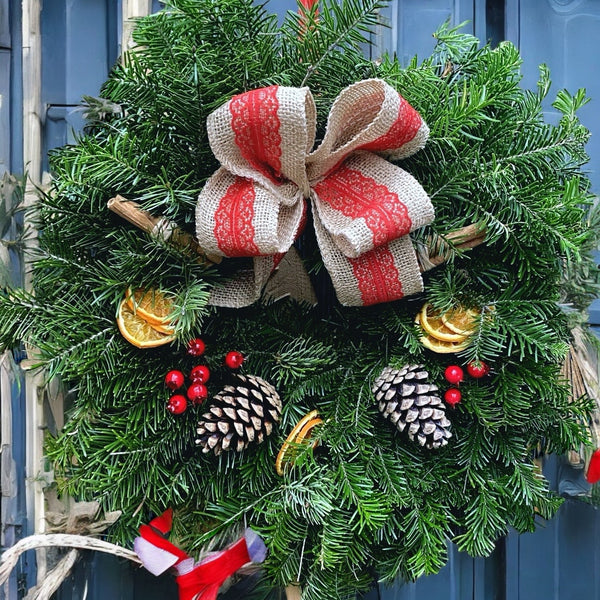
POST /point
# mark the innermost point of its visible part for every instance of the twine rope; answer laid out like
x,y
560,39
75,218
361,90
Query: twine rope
x,y
11,556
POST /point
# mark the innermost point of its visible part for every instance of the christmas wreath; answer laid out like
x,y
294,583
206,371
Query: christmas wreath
x,y
325,297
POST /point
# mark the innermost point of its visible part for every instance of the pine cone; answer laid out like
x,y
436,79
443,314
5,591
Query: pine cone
x,y
239,415
409,402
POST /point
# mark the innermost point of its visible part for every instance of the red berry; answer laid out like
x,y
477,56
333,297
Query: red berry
x,y
200,374
177,404
234,359
196,347
197,392
454,374
174,379
452,396
477,369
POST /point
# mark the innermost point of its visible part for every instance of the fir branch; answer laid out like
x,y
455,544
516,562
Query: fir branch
x,y
297,359
336,26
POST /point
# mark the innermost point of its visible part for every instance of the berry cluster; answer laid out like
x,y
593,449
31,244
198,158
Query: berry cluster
x,y
196,392
454,375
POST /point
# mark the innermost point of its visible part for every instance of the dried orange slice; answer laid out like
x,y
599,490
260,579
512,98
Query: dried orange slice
x,y
431,321
137,331
152,305
443,347
301,431
306,432
461,320
166,329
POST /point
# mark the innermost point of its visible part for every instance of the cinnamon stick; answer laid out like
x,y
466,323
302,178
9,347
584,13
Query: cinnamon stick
x,y
158,227
464,238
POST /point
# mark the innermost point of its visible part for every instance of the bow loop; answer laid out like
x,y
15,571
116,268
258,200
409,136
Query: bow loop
x,y
368,115
367,202
237,216
363,206
250,135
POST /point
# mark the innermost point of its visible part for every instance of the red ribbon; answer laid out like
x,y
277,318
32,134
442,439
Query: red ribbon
x,y
308,4
203,580
593,473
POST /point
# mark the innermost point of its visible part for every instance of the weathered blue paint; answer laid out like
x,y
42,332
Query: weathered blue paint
x,y
463,578
414,21
5,83
559,561
14,520
16,524
555,563
15,100
5,128
67,27
4,25
563,35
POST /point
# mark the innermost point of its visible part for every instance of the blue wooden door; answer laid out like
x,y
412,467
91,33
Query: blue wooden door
x,y
68,73
5,81
558,562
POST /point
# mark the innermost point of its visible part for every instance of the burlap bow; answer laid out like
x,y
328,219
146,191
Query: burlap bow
x,y
363,206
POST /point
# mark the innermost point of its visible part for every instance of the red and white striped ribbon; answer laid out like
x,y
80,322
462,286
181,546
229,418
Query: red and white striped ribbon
x,y
363,205
195,580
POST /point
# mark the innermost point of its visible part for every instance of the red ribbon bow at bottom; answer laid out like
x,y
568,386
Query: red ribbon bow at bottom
x,y
196,581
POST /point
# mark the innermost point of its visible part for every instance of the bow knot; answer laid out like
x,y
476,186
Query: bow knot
x,y
363,206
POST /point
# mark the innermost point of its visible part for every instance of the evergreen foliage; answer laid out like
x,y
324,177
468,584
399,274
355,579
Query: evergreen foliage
x,y
367,502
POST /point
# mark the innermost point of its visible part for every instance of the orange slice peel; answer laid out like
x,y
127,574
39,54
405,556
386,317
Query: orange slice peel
x,y
433,324
442,347
153,305
446,332
166,329
301,433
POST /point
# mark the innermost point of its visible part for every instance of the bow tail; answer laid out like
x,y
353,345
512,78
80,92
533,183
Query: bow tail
x,y
364,211
246,286
154,550
384,274
194,592
195,581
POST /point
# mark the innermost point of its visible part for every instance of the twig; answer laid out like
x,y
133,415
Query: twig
x,y
55,578
438,251
159,227
442,248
